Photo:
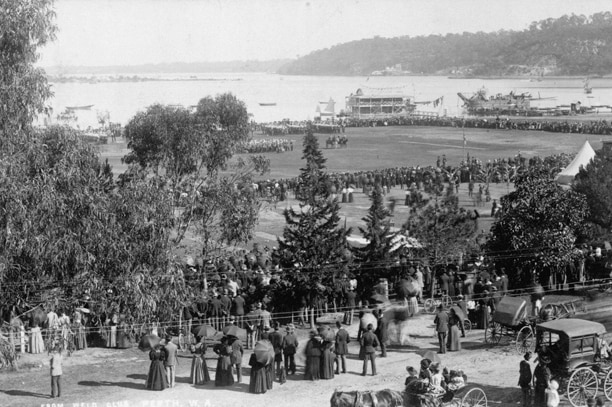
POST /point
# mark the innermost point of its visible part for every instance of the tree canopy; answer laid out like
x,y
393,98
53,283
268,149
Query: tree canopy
x,y
537,228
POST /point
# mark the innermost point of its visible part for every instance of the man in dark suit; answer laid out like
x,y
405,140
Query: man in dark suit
x,y
238,309
441,322
276,338
342,341
369,343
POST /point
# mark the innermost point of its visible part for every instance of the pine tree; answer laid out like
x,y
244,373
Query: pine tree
x,y
312,241
377,231
375,256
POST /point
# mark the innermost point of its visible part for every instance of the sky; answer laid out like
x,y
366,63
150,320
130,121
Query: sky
x,y
133,32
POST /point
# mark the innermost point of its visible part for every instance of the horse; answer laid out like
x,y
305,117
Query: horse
x,y
380,398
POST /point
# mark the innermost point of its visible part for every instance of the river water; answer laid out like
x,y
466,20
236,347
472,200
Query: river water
x,y
297,97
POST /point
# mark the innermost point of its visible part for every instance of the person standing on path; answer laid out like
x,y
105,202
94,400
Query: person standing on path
x,y
369,343
342,341
525,378
170,361
542,376
276,338
56,371
290,345
351,296
236,356
441,322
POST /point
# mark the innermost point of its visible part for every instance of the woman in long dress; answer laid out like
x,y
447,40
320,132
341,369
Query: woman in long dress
x,y
199,370
327,360
453,343
313,357
258,383
64,323
157,379
37,344
80,338
223,374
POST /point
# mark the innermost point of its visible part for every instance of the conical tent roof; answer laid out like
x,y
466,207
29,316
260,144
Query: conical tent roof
x,y
584,156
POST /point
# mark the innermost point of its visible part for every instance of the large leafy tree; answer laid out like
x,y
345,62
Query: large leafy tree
x,y
445,231
191,153
537,228
313,244
25,26
595,182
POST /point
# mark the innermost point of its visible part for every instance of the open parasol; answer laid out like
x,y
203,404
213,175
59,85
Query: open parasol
x,y
206,331
232,330
407,288
264,352
148,342
327,333
368,318
381,299
459,312
431,355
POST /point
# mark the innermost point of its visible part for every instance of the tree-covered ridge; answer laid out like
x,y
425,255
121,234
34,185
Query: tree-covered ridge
x,y
569,45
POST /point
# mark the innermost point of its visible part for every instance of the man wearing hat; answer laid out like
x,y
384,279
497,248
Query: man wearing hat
x,y
290,345
525,379
342,341
463,305
542,376
369,343
170,361
441,323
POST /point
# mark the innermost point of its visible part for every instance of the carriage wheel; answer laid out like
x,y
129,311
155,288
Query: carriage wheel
x,y
467,325
446,301
525,340
493,333
476,397
429,305
608,385
581,385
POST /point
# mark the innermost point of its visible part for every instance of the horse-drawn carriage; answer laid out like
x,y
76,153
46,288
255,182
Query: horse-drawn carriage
x,y
572,346
510,320
463,396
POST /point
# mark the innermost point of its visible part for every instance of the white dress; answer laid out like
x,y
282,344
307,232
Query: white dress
x,y
36,345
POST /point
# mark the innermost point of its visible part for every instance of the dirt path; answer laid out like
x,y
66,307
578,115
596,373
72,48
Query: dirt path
x,y
115,378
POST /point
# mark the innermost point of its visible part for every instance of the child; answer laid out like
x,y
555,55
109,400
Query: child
x,y
552,396
412,372
56,371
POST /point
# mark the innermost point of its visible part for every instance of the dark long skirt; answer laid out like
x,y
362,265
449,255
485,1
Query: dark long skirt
x,y
327,364
156,379
313,368
270,376
259,382
199,370
223,374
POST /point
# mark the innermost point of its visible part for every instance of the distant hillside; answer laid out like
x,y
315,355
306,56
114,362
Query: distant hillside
x,y
570,45
175,67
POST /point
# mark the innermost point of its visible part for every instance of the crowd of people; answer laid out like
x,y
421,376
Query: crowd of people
x,y
602,127
269,145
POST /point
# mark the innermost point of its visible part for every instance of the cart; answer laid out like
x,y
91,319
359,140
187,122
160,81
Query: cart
x,y
465,396
572,347
510,320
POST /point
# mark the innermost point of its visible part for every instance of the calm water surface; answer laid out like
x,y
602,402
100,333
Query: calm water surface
x,y
297,97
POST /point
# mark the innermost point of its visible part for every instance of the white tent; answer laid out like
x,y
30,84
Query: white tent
x,y
584,156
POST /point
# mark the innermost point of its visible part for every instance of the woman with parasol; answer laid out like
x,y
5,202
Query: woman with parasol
x,y
313,357
223,374
453,342
327,352
199,369
157,379
258,383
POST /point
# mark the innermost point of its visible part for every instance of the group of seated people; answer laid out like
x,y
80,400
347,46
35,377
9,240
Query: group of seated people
x,y
432,384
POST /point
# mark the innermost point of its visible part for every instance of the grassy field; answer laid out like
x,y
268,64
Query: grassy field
x,y
389,147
